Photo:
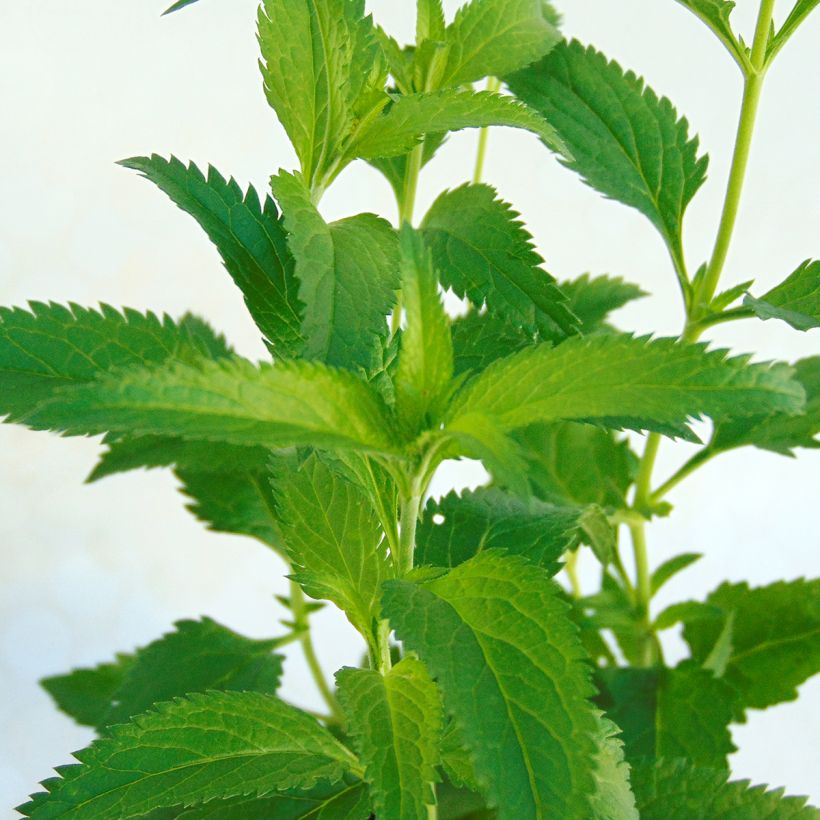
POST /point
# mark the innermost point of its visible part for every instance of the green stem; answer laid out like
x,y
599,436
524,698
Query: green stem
x,y
384,661
493,85
571,569
411,184
643,595
698,460
410,508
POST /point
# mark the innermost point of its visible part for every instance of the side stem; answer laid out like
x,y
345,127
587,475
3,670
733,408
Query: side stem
x,y
493,85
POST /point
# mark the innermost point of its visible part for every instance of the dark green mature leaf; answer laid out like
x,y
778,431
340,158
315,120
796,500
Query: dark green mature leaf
x,y
51,347
479,339
513,674
395,720
483,252
459,527
348,275
249,236
716,14
204,747
332,535
796,300
801,10
293,403
775,633
625,141
677,790
198,656
681,712
626,382
592,299
495,37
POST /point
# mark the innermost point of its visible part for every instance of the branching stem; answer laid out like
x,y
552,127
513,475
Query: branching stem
x,y
493,85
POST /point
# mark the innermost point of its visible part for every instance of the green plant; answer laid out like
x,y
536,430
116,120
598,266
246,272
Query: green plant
x,y
508,695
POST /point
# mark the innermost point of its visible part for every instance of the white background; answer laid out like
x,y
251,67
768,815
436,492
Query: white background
x,y
91,570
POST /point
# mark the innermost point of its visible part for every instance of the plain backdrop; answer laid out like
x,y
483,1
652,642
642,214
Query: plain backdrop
x,y
91,570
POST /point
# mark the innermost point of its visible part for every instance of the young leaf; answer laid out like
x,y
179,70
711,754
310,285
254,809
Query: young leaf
x,y
204,747
513,675
801,10
625,141
796,300
459,527
479,339
591,300
677,790
626,382
495,37
249,236
669,569
179,5
197,657
681,712
775,644
395,721
332,535
347,276
430,23
484,253
716,14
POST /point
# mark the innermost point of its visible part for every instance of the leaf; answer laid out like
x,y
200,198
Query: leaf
x,y
669,569
425,367
394,169
716,14
513,675
197,657
323,69
479,339
624,140
613,798
483,252
801,10
293,403
430,23
347,274
51,347
459,527
411,116
180,4
775,643
495,37
796,300
677,790
625,382
395,721
249,236
332,535
680,712
591,300
218,745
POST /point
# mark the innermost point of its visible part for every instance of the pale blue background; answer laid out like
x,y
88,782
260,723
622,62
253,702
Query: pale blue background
x,y
91,570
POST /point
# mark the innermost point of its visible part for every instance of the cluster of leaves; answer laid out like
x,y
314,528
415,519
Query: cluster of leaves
x,y
509,696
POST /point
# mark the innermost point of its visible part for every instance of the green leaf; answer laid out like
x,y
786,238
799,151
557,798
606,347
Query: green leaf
x,y
716,14
179,5
479,339
395,721
293,403
410,117
51,347
323,69
495,37
513,675
456,760
430,23
669,569
681,712
197,657
218,745
625,141
484,253
775,644
459,527
591,300
796,300
347,274
613,798
801,10
625,382
394,169
333,538
677,790
249,236
425,368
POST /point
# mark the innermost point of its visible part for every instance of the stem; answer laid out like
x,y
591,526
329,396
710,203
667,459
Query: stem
x,y
698,460
644,477
571,568
643,594
410,507
493,86
385,661
411,184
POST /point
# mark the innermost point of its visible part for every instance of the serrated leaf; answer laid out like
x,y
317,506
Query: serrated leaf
x,y
458,527
624,381
456,759
479,339
395,720
680,712
796,300
677,790
624,140
592,299
484,253
495,37
293,403
219,745
612,798
411,116
249,236
332,535
716,14
348,275
425,366
513,675
775,644
430,23
669,569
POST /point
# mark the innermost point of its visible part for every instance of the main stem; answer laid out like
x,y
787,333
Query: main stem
x,y
493,85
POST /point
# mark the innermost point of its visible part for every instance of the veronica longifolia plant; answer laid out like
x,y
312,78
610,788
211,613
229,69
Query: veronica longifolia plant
x,y
489,689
